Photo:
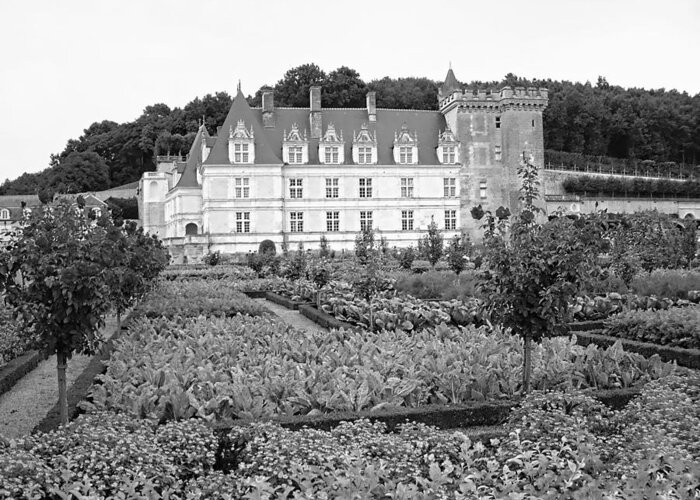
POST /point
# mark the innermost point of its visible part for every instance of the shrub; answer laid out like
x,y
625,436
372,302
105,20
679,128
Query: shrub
x,y
671,283
432,244
406,256
212,258
458,252
443,285
324,250
420,266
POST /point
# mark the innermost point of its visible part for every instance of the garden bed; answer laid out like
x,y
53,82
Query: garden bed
x,y
283,301
322,318
689,358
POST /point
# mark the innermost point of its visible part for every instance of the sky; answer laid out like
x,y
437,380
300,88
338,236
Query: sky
x,y
67,64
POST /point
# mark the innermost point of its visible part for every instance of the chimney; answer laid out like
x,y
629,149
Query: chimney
x,y
372,106
315,113
268,107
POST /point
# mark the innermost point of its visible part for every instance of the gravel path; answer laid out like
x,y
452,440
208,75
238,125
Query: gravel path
x,y
291,317
28,402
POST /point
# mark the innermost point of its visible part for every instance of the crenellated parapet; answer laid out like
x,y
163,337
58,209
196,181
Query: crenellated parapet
x,y
518,98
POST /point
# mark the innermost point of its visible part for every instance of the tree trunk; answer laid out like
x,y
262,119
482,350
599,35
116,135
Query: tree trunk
x,y
61,362
527,364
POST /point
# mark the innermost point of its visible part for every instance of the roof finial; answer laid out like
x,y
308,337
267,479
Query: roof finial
x,y
450,64
239,85
203,118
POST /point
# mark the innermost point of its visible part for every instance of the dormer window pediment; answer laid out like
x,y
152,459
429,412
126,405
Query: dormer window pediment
x,y
331,148
405,146
364,146
295,146
448,147
241,144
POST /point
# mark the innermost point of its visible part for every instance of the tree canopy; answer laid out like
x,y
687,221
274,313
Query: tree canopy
x,y
593,119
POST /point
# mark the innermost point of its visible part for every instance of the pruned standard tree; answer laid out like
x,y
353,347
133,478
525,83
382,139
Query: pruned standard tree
x,y
56,274
535,269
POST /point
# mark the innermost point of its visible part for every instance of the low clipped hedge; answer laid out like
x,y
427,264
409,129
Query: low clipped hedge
x,y
675,327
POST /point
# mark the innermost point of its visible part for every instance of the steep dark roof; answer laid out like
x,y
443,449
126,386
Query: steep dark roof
x,y
268,141
451,83
188,179
241,111
14,204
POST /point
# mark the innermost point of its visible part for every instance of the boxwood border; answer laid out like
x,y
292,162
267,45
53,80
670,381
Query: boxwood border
x,y
16,368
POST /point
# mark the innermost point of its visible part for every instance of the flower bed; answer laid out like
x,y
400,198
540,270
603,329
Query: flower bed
x,y
212,272
197,298
257,367
676,327
558,446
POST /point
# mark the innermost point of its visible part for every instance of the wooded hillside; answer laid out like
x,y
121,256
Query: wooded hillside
x,y
592,119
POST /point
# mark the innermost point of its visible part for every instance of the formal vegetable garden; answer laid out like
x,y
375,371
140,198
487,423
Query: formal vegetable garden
x,y
195,388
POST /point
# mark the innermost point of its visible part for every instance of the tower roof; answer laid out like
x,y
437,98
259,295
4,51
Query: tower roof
x,y
194,159
451,83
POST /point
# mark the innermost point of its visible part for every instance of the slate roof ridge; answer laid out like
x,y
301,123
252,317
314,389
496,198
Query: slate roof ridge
x,y
410,110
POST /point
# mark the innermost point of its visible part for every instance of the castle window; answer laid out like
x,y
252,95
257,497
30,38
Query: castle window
x,y
242,222
296,222
407,187
405,146
191,228
450,220
331,154
405,155
498,122
497,152
4,214
448,154
482,190
240,153
295,147
332,147
364,146
241,144
450,185
365,188
365,220
332,222
364,155
448,147
295,154
295,188
242,187
407,220
332,187
533,123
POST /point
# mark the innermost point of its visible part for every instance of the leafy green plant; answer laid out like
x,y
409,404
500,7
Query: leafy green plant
x,y
676,327
671,283
432,244
406,257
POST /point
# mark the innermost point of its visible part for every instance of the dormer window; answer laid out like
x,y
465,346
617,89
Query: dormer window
x,y
448,147
295,147
241,144
331,148
364,146
405,146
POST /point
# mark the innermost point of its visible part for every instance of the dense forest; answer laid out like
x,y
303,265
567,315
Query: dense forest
x,y
582,118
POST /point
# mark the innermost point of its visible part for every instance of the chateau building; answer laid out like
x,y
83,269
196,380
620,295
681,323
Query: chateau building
x,y
293,174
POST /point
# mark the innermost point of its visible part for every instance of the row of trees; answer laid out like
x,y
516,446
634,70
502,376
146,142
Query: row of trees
x,y
65,269
600,120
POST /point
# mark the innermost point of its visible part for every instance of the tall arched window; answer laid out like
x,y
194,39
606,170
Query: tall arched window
x,y
4,214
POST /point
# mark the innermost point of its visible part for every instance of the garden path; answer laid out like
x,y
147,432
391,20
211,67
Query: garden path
x,y
25,405
291,317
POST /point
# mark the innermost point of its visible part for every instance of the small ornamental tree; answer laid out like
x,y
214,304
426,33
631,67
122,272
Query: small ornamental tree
x,y
431,244
458,252
364,245
54,274
534,270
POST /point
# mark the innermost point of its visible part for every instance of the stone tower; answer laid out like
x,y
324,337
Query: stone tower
x,y
494,129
